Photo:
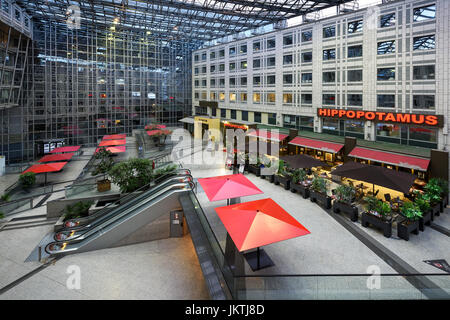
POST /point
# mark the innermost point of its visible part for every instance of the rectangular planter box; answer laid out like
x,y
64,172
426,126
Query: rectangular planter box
x,y
340,207
425,220
443,204
300,189
254,169
323,200
403,230
271,177
368,219
436,210
285,181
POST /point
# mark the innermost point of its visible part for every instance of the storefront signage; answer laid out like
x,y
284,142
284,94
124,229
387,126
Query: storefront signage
x,y
388,117
236,126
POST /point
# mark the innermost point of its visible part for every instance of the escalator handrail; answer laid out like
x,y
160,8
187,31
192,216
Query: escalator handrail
x,y
116,218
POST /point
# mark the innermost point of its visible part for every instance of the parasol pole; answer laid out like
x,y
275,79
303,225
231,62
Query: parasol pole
x,y
257,258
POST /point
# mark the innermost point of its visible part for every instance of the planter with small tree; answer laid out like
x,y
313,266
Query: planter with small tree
x,y
27,180
132,174
283,176
318,193
343,202
410,224
103,167
425,208
299,184
433,193
441,185
378,214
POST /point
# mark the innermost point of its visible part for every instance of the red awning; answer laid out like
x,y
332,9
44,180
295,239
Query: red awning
x,y
115,137
66,149
57,157
317,144
107,143
391,158
268,135
44,168
117,149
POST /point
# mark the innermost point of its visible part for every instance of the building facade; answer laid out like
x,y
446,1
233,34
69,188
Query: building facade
x,y
391,58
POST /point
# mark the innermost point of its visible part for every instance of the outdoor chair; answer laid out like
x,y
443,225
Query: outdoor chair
x,y
387,197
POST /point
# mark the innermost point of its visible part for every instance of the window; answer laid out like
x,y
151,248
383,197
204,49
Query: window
x,y
232,97
424,13
244,65
243,48
212,83
306,77
306,98
212,55
256,80
212,68
386,74
256,63
331,125
329,32
222,53
214,112
287,97
287,59
5,6
256,46
306,123
388,130
354,126
329,76
232,51
355,26
257,117
423,102
196,57
271,61
329,99
354,75
272,118
422,134
243,97
256,97
223,113
355,51
222,67
196,70
288,40
307,36
386,47
289,121
306,57
424,43
203,82
270,44
213,96
232,82
196,83
204,56
354,100
270,79
387,20
222,82
244,81
424,72
196,95
270,97
329,54
244,115
233,114
221,96
204,69
232,66
287,78
386,101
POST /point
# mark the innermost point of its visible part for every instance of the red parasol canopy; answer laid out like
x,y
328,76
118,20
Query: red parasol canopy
x,y
66,149
259,223
44,168
228,187
115,137
116,149
57,157
106,143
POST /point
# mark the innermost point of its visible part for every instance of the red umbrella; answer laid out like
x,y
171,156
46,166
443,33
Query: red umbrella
x,y
115,137
56,157
106,143
45,168
228,187
116,149
259,223
66,149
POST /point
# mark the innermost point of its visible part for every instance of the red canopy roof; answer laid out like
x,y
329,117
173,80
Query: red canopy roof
x,y
44,168
228,187
57,157
106,143
259,223
66,149
115,137
267,134
317,144
116,149
391,158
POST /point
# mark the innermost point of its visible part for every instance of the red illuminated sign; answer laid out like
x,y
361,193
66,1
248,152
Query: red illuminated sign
x,y
231,125
378,116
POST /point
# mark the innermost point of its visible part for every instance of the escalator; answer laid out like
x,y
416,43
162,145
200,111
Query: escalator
x,y
120,219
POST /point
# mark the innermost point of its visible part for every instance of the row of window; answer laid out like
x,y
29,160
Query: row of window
x,y
386,20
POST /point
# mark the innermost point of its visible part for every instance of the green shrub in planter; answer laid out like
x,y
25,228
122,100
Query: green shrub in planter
x,y
377,207
411,211
345,194
298,176
27,180
371,203
422,202
132,174
319,185
77,210
164,171
435,184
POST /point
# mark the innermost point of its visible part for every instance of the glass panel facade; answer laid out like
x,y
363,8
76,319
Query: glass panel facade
x,y
386,101
387,20
386,47
424,72
329,32
385,74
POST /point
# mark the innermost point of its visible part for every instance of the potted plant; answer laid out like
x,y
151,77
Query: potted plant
x,y
27,180
378,214
77,210
433,193
298,183
343,201
318,192
254,165
435,184
103,167
267,163
425,208
410,224
283,176
132,174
